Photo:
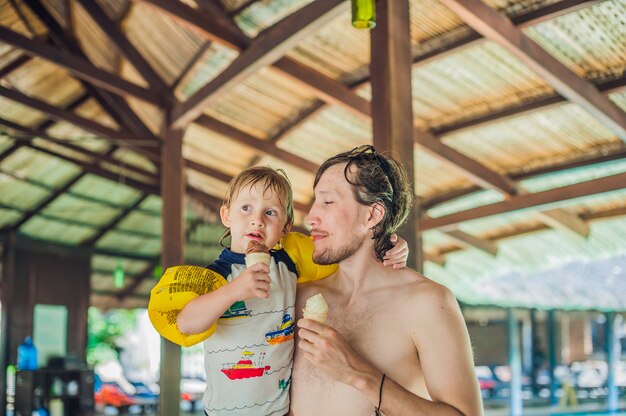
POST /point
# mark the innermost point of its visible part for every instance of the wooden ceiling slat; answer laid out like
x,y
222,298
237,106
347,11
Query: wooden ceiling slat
x,y
565,193
124,46
498,28
264,50
80,67
562,220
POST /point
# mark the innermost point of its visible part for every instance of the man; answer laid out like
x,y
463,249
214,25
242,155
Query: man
x,y
395,342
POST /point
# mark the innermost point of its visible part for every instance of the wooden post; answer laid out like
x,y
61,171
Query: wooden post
x,y
172,247
515,363
392,106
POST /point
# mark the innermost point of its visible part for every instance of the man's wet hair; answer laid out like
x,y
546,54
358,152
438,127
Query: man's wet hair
x,y
377,178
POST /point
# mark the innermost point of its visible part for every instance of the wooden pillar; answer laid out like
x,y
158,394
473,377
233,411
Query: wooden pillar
x,y
515,363
392,107
612,358
552,359
172,248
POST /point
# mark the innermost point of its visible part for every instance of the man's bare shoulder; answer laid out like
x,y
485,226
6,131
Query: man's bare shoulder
x,y
423,293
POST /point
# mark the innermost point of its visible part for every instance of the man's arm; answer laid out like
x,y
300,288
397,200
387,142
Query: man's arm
x,y
444,352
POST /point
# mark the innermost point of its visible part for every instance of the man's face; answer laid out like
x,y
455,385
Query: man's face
x,y
338,221
255,214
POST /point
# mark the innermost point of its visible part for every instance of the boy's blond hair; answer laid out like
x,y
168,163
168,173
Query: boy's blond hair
x,y
274,180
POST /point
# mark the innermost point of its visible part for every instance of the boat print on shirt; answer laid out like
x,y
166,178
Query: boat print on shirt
x,y
282,333
237,310
245,367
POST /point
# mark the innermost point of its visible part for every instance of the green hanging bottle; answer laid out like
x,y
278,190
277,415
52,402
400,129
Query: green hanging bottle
x,y
364,14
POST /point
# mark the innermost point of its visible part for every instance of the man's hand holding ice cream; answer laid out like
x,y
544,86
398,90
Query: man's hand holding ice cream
x,y
255,281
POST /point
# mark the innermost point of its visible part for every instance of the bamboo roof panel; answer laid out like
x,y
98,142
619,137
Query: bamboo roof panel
x,y
124,242
573,176
474,81
78,137
94,43
39,228
45,81
504,224
5,142
57,148
105,189
206,234
432,176
20,195
301,180
153,204
8,54
140,221
337,50
262,14
619,98
201,255
131,266
330,131
466,202
72,208
123,172
127,156
212,62
38,167
262,104
207,184
166,45
232,5
216,151
8,217
93,111
533,140
591,41
18,113
10,18
58,10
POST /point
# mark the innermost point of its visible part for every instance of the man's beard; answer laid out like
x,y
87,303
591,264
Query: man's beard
x,y
330,256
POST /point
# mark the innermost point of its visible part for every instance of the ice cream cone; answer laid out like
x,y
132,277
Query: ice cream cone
x,y
254,258
316,308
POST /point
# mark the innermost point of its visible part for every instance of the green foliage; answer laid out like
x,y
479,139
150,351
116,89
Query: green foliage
x,y
104,329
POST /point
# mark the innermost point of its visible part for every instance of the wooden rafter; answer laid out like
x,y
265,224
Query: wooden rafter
x,y
468,167
78,66
606,87
14,65
467,239
52,197
214,29
264,50
531,200
191,64
115,221
124,46
498,28
261,145
563,220
61,114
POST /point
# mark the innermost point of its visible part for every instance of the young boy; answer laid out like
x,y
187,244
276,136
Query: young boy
x,y
249,348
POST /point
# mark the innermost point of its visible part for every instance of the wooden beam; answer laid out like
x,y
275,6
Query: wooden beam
x,y
465,165
8,152
470,240
261,145
14,65
266,49
391,107
563,220
172,253
190,65
124,46
61,114
80,67
533,200
501,30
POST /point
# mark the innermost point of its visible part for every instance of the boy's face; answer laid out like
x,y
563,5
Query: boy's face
x,y
254,214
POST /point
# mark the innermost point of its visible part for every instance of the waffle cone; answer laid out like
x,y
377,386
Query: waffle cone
x,y
254,258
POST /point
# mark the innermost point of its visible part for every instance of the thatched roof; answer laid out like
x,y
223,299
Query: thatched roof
x,y
531,174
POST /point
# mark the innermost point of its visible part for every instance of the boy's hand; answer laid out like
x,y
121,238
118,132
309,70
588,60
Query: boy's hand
x,y
254,282
396,256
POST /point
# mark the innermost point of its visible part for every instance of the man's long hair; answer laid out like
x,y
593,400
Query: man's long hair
x,y
376,178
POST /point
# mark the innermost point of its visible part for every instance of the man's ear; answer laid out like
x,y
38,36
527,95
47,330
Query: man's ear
x,y
225,215
376,214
